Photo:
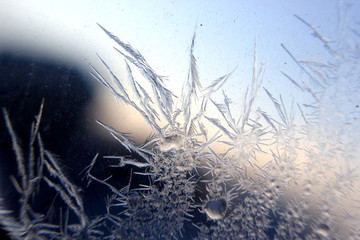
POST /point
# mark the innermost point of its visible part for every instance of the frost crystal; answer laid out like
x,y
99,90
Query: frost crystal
x,y
181,187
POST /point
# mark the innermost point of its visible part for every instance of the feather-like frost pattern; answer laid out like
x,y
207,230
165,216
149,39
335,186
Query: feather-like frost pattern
x,y
191,184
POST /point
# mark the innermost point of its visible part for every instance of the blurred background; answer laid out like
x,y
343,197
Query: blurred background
x,y
162,32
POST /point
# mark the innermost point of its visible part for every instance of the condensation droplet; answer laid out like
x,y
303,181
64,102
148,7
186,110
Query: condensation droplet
x,y
172,142
322,230
216,209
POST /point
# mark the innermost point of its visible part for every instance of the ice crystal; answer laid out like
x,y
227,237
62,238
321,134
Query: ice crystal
x,y
190,190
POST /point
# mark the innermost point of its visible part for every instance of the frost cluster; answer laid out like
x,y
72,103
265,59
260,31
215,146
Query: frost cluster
x,y
307,188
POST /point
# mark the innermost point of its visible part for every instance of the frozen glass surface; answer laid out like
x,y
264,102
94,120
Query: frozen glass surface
x,y
180,120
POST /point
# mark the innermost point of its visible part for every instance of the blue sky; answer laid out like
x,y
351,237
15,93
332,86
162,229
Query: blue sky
x,y
162,32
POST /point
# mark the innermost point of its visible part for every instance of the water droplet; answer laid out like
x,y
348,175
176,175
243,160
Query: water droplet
x,y
216,209
171,142
322,230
